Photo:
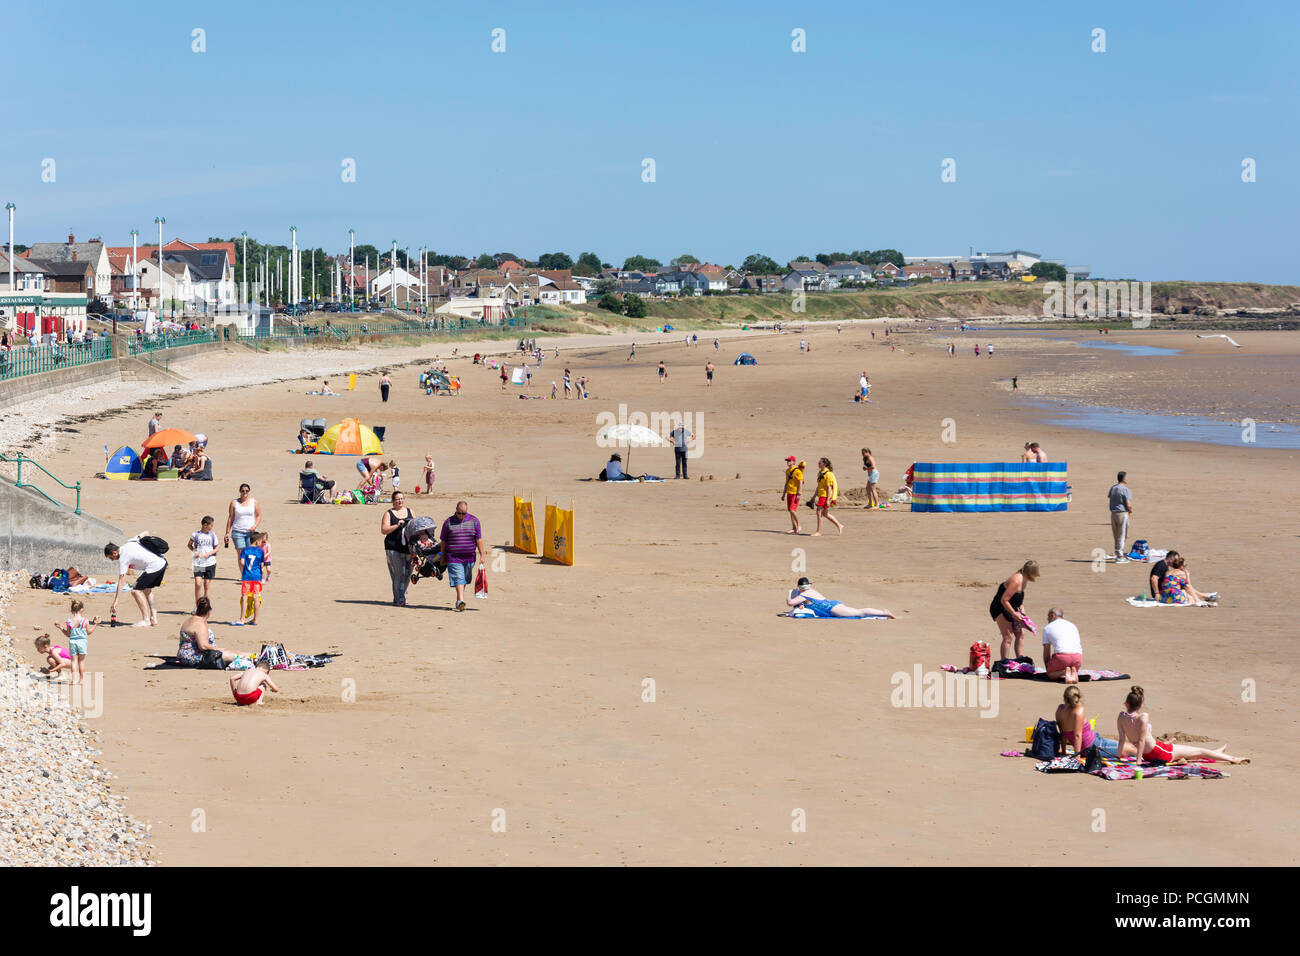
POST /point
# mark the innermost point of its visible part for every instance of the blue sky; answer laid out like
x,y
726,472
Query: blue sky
x,y
1128,161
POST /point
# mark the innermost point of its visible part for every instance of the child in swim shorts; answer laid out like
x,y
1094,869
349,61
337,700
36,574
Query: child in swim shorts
x,y
246,686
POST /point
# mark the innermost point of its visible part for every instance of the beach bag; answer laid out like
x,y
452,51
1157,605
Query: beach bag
x,y
1091,759
480,585
1046,740
154,544
980,655
1141,549
59,581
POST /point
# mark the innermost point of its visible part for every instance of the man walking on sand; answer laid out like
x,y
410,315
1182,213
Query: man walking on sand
x,y
155,423
462,542
708,374
864,387
681,437
132,554
1121,508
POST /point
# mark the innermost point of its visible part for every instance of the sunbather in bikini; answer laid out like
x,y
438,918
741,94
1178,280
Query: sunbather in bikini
x,y
1136,736
803,595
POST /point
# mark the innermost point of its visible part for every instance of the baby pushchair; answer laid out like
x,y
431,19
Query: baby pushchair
x,y
420,535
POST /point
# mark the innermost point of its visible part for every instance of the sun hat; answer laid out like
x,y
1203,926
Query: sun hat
x,y
789,458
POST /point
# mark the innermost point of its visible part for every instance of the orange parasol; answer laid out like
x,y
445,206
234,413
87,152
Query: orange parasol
x,y
169,436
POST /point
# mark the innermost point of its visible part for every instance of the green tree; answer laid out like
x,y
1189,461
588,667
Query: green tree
x,y
634,306
485,261
881,256
365,249
759,264
554,260
500,257
642,264
1048,270
605,285
686,259
610,301
588,264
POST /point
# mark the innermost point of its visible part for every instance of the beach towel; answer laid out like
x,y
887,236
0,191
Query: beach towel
x,y
1030,672
1141,600
1142,770
98,589
297,662
806,614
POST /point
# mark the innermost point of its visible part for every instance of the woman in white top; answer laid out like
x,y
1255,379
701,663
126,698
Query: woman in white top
x,y
244,517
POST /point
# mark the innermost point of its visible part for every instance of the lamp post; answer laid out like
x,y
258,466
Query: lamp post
x,y
244,259
392,286
11,207
293,259
352,270
160,221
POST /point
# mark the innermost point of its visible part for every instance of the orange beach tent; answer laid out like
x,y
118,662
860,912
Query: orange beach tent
x,y
349,437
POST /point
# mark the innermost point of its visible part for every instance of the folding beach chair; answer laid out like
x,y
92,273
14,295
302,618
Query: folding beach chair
x,y
310,490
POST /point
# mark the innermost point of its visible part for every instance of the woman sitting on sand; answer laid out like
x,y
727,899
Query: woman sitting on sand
x,y
1005,609
1072,719
1136,737
1177,586
197,648
803,595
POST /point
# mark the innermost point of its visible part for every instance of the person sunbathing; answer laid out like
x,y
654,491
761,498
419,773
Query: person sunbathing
x,y
1177,585
1137,737
326,390
1072,719
75,577
803,595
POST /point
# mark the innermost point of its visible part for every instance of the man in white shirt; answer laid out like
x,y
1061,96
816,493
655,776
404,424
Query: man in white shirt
x,y
152,567
864,387
1062,647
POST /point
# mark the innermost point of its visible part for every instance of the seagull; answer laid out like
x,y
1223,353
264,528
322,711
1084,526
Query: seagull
x,y
1221,336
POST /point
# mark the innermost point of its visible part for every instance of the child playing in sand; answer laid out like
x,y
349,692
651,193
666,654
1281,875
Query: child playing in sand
x,y
428,474
78,629
254,569
57,659
397,479
247,685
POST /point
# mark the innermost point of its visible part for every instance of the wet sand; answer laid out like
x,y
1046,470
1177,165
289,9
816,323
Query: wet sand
x,y
532,702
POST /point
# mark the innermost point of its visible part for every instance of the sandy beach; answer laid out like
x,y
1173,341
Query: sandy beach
x,y
529,707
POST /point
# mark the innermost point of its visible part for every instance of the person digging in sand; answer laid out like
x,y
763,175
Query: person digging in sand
x,y
246,686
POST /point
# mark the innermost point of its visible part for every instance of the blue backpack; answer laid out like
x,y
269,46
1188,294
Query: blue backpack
x,y
59,581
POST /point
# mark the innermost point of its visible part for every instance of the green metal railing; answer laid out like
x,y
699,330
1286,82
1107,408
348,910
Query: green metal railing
x,y
142,344
32,360
356,331
22,459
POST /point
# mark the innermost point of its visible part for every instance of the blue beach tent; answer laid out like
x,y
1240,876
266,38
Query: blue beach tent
x,y
123,464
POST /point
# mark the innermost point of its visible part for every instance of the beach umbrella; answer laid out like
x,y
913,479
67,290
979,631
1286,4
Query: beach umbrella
x,y
123,465
633,436
169,436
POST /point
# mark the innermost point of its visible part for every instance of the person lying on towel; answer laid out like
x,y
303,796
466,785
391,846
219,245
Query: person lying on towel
x,y
614,470
803,595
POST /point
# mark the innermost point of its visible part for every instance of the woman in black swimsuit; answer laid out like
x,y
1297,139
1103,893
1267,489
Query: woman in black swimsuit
x,y
1005,608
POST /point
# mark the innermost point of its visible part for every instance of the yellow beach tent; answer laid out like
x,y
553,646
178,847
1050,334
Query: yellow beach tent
x,y
349,437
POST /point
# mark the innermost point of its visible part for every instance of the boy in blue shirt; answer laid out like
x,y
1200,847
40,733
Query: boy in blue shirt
x,y
254,568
